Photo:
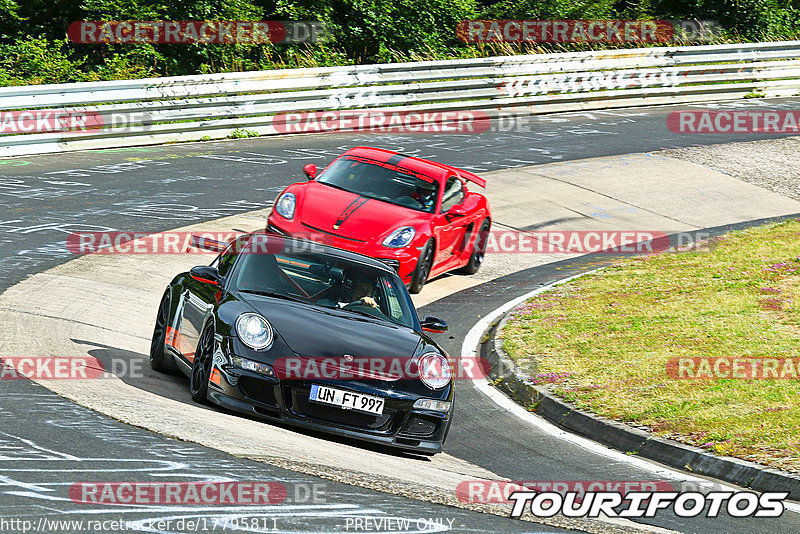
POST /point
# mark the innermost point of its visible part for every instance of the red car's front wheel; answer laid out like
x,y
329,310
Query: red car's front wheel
x,y
424,264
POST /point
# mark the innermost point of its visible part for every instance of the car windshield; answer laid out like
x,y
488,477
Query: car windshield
x,y
383,181
321,280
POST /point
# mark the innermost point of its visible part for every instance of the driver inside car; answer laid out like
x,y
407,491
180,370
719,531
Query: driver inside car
x,y
363,286
425,194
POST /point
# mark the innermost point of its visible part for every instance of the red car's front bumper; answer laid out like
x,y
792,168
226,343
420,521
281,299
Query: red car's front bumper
x,y
403,260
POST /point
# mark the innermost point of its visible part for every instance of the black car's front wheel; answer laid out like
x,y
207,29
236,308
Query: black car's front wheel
x,y
424,264
157,355
201,365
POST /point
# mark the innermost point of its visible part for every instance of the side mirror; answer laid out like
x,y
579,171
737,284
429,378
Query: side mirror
x,y
433,324
455,212
206,274
310,170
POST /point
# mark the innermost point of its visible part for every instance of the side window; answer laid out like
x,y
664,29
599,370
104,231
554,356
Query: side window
x,y
227,258
453,194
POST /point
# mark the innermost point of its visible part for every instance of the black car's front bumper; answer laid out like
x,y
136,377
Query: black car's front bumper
x,y
400,426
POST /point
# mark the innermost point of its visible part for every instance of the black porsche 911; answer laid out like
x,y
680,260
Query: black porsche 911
x,y
311,335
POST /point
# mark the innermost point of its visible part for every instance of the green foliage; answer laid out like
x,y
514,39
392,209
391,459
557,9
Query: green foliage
x,y
239,133
33,48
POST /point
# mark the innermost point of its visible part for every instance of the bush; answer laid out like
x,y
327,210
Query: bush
x,y
33,48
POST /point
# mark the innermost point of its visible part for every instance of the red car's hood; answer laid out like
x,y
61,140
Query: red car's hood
x,y
350,215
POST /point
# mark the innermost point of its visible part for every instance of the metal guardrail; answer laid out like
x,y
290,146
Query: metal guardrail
x,y
159,110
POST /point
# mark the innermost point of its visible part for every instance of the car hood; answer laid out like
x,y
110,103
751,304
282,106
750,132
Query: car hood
x,y
350,215
323,333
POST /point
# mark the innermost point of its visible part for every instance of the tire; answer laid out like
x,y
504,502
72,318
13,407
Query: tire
x,y
157,354
202,364
478,250
423,269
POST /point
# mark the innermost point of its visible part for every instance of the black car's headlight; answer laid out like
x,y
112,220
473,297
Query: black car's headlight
x,y
434,370
254,331
285,205
250,365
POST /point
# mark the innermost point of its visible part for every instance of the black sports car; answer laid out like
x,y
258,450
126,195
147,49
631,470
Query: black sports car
x,y
289,330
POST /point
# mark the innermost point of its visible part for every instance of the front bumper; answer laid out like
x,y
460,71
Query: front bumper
x,y
403,261
400,426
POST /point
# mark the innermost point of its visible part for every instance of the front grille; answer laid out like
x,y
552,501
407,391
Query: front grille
x,y
394,264
418,426
332,414
258,390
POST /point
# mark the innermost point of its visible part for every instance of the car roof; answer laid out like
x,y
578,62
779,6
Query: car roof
x,y
339,253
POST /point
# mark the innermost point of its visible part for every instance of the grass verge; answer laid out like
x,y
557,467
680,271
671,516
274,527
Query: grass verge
x,y
605,342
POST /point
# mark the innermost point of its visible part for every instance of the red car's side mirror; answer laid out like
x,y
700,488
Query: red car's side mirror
x,y
310,170
455,212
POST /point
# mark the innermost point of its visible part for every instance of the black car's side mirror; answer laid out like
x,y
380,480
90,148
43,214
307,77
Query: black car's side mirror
x,y
310,170
433,324
206,275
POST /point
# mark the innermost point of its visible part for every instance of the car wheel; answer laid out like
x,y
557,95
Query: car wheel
x,y
201,365
478,249
157,355
423,269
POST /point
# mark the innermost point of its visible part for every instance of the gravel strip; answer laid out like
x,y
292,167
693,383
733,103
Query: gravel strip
x,y
773,164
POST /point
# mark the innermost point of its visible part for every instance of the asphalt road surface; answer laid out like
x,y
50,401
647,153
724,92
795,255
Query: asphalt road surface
x,y
45,198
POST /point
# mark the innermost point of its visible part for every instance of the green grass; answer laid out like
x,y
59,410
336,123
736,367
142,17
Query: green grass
x,y
603,341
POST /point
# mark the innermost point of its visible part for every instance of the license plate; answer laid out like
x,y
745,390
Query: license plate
x,y
348,400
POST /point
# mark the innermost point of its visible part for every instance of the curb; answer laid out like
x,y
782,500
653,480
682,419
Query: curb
x,y
507,377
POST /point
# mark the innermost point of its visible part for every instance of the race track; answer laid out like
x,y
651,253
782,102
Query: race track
x,y
160,188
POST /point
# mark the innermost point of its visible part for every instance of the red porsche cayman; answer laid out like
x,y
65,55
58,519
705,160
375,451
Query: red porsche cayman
x,y
416,215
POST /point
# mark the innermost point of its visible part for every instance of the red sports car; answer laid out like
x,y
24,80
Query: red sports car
x,y
416,215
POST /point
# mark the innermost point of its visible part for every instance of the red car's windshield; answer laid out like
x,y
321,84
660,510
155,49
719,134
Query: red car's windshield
x,y
383,181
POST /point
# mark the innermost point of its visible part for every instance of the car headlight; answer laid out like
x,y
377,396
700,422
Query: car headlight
x,y
434,370
400,238
250,365
285,205
254,331
433,405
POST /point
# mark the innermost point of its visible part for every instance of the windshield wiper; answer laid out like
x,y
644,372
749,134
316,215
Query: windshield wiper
x,y
274,295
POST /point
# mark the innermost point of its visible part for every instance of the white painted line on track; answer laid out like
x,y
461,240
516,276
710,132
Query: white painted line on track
x,y
469,350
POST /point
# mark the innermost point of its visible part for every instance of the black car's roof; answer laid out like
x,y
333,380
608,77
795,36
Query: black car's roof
x,y
329,250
